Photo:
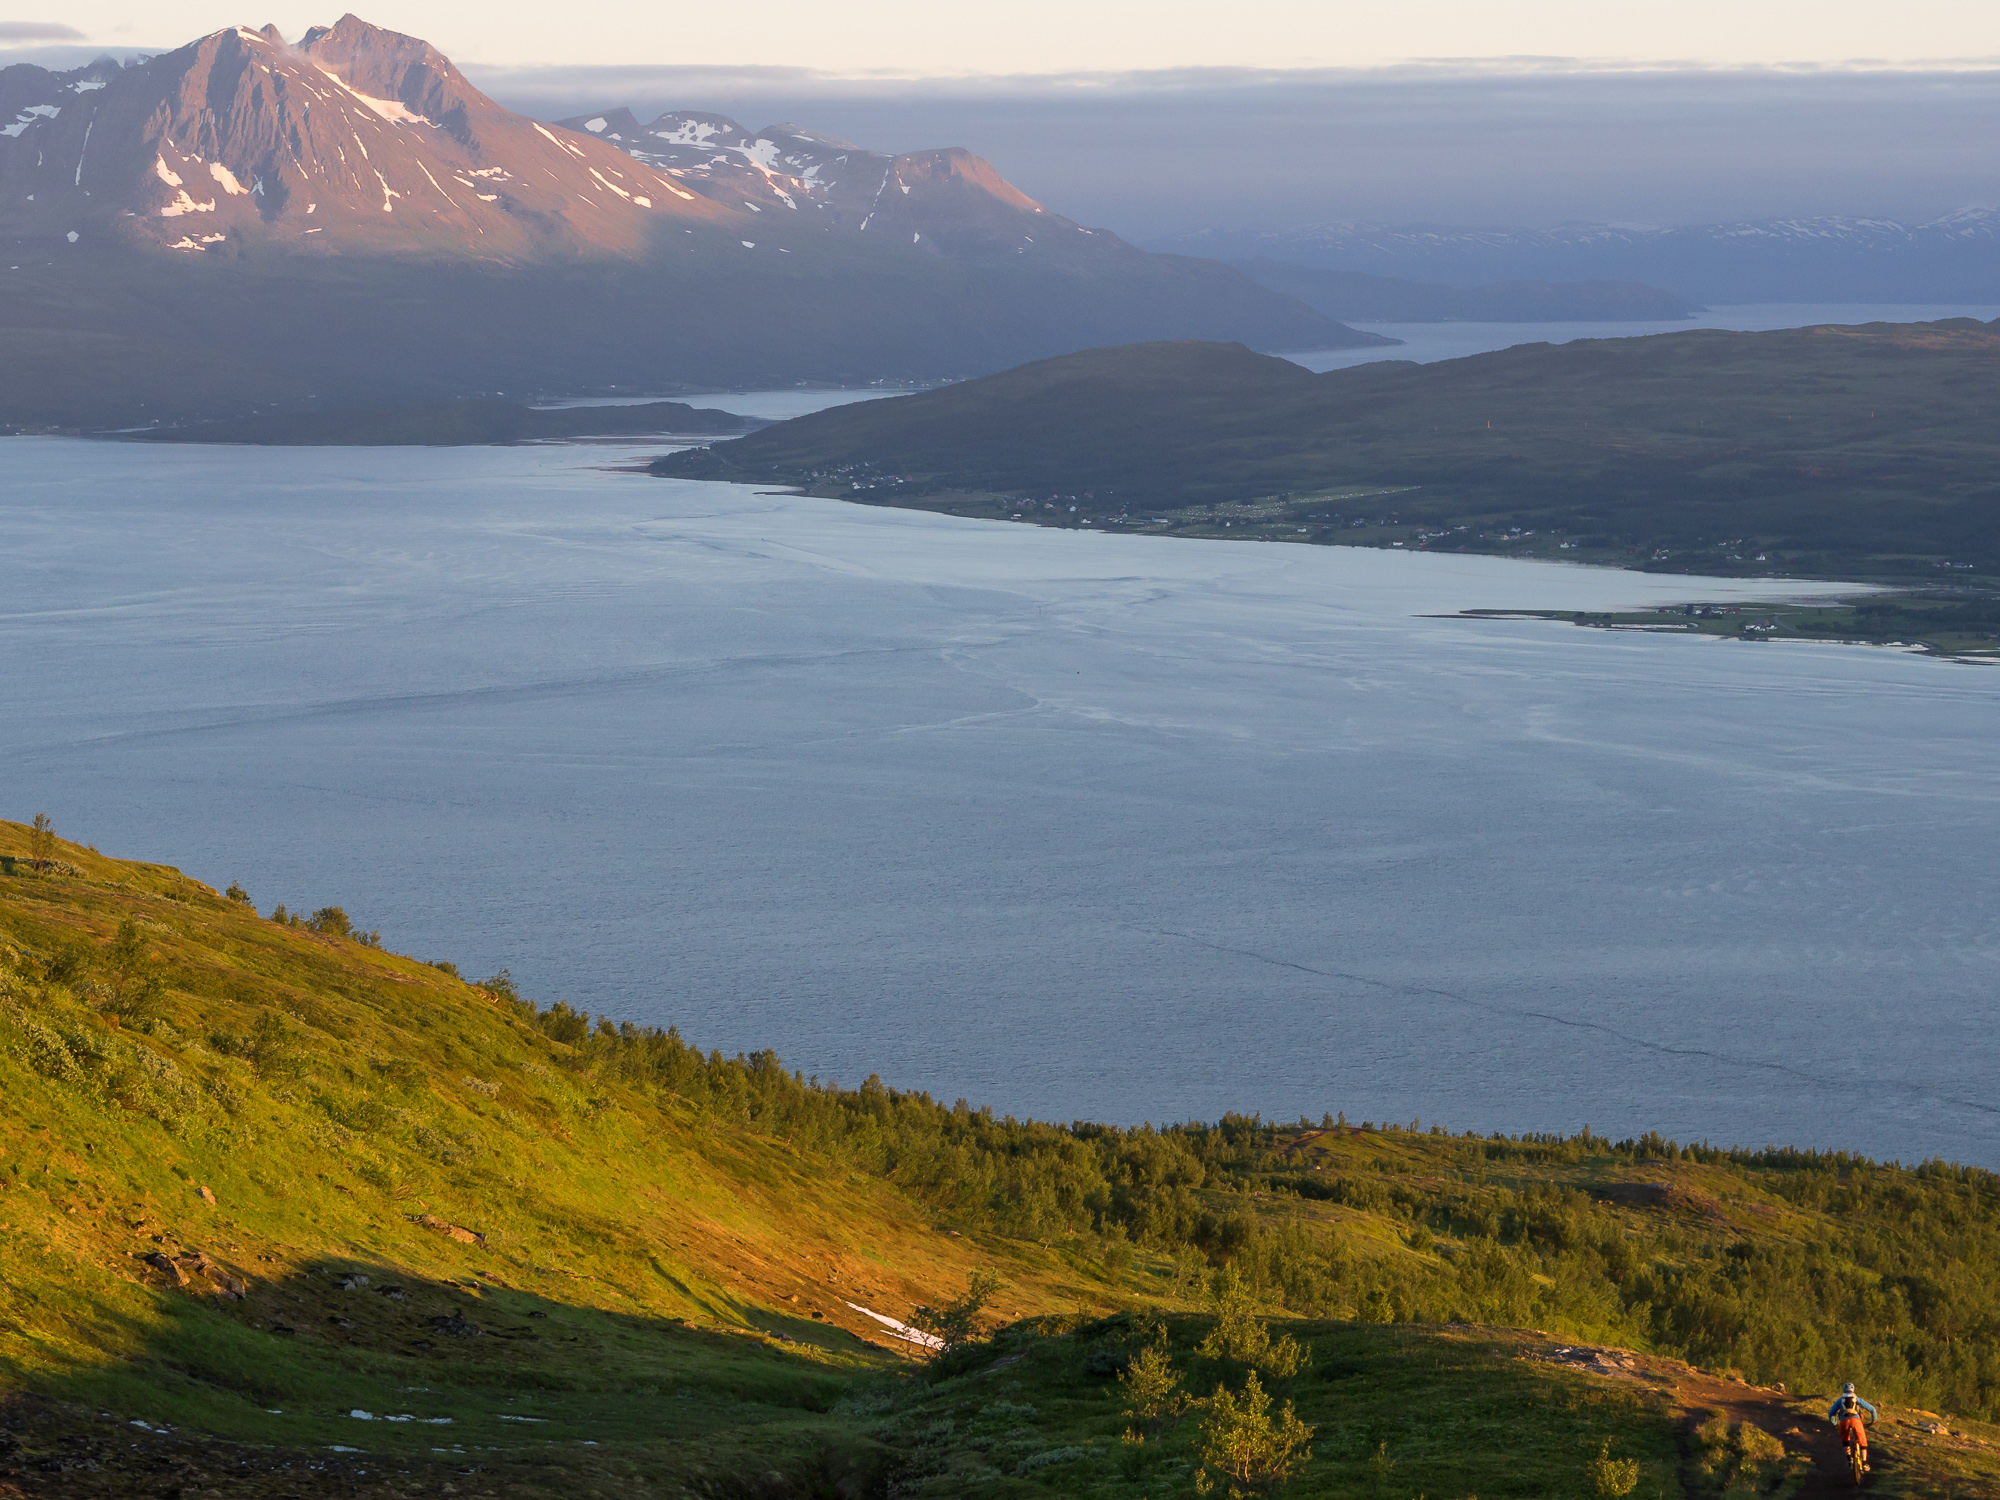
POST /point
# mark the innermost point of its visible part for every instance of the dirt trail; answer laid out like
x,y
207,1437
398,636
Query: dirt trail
x,y
1903,1446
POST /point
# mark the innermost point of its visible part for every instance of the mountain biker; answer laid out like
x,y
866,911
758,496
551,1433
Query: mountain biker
x,y
1845,1414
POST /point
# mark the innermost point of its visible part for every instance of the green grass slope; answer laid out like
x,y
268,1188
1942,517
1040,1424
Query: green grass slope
x,y
1831,451
285,1213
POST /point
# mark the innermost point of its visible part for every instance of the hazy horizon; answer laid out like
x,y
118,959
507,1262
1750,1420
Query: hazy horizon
x,y
1152,154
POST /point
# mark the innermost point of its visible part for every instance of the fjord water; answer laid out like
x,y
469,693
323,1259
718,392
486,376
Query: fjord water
x,y
1075,825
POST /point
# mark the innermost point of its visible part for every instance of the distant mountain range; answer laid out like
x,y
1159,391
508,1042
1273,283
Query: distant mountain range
x,y
246,221
947,203
1390,299
1952,259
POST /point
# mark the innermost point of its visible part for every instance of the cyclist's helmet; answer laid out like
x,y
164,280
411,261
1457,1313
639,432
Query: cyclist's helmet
x,y
1848,1389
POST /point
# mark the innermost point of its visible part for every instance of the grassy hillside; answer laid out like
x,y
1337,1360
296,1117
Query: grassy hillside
x,y
1864,452
600,1261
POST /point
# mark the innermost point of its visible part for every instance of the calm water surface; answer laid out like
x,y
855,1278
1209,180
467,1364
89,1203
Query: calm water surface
x,y
1077,825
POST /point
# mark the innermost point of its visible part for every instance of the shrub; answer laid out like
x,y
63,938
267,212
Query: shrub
x,y
331,921
502,987
1153,1387
237,894
68,963
563,1024
274,1050
42,843
1238,1333
1744,1458
954,1324
1044,1460
46,1052
1250,1452
1613,1478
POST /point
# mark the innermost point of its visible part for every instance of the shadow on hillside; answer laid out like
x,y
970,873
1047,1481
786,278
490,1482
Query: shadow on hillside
x,y
323,1380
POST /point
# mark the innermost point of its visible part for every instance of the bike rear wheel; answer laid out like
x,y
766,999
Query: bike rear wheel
x,y
1857,1458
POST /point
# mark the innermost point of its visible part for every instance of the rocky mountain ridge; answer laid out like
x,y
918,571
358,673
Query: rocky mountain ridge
x,y
945,202
352,140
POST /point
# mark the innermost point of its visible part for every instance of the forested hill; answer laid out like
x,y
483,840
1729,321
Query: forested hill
x,y
1868,451
280,1208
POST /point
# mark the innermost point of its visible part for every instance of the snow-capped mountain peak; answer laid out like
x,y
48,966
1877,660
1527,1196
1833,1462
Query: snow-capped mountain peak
x,y
945,202
355,138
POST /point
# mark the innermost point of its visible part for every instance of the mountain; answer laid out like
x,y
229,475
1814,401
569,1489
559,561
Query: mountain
x,y
947,202
286,1213
1836,452
345,220
1387,299
1955,258
353,141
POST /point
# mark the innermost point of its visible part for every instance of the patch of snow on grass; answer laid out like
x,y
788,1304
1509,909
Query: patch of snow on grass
x,y
901,1330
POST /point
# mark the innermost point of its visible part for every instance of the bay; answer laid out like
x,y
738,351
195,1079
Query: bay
x,y
1079,826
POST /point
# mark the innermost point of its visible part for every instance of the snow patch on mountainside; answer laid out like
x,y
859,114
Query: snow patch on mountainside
x,y
392,110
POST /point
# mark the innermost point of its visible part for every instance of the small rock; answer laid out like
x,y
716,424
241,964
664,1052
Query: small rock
x,y
207,1195
168,1265
393,1293
456,1327
339,1322
451,1231
352,1282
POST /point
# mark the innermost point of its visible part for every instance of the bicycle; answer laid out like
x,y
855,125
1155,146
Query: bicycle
x,y
1857,1458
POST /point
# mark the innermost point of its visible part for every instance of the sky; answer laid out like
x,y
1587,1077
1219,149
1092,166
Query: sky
x,y
1166,118
919,38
